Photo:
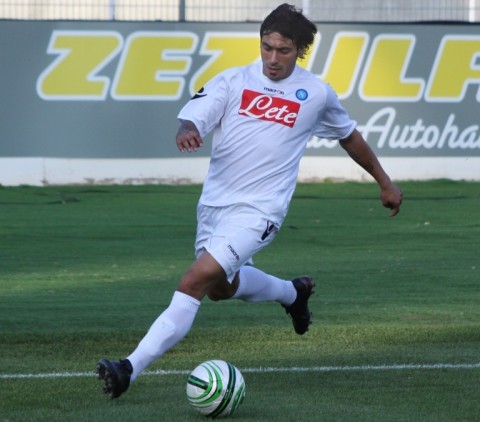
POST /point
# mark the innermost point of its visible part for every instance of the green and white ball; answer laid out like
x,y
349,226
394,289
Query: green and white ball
x,y
215,388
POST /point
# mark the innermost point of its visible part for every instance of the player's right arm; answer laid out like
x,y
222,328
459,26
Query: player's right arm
x,y
188,138
362,154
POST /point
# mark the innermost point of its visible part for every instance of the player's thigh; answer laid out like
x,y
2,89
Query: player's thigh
x,y
236,234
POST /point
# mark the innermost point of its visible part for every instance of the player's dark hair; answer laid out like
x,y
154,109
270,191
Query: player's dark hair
x,y
290,23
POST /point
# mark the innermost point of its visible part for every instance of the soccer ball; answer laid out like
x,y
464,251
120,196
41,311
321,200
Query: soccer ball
x,y
215,388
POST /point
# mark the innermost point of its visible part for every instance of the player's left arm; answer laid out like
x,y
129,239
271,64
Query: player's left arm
x,y
358,149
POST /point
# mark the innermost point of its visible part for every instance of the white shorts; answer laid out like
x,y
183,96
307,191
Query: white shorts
x,y
233,234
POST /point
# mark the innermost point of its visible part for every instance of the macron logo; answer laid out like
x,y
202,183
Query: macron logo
x,y
233,252
272,109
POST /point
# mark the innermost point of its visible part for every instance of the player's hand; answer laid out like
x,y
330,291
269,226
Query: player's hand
x,y
188,138
391,197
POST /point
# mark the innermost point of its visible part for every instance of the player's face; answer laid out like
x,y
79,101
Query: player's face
x,y
279,56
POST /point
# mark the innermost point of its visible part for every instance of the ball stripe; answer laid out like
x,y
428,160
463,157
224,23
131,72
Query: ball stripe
x,y
197,382
228,393
238,399
214,386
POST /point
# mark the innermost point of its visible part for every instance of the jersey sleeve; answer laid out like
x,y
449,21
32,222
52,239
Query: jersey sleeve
x,y
207,107
334,122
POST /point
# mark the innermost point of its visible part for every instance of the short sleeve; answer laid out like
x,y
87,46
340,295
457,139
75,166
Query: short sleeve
x,y
334,121
207,107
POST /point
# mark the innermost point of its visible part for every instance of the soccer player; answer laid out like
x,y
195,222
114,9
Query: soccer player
x,y
262,116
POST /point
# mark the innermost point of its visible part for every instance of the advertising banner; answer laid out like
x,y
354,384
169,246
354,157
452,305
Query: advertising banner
x,y
112,90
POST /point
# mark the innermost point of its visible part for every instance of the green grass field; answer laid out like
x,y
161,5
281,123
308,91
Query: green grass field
x,y
85,270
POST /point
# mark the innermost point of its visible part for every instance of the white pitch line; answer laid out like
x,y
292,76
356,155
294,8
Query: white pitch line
x,y
360,368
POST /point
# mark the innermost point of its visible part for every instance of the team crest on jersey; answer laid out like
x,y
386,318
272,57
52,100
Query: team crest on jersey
x,y
301,94
272,109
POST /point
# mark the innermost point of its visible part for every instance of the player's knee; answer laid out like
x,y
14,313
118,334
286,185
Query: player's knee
x,y
193,285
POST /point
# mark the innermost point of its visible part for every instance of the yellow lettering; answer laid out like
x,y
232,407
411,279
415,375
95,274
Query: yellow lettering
x,y
384,75
227,49
153,64
343,62
74,74
456,66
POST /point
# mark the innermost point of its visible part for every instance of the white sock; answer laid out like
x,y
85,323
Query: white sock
x,y
168,329
257,286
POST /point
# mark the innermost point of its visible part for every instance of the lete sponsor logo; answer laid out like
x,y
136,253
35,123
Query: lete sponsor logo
x,y
272,109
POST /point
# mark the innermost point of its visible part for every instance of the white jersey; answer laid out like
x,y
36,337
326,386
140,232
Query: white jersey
x,y
261,128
